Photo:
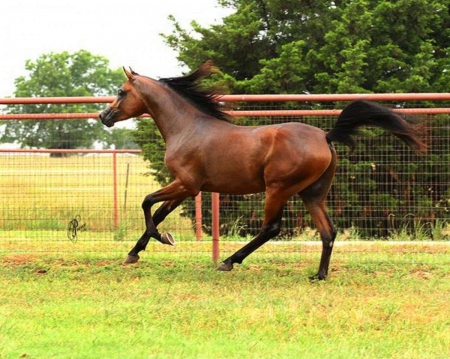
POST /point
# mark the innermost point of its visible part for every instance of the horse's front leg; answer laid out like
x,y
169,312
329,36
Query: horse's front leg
x,y
160,214
173,195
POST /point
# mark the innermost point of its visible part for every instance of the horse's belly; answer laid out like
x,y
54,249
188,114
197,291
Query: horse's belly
x,y
234,183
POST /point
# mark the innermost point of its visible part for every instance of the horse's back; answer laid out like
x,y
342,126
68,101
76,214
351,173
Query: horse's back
x,y
296,139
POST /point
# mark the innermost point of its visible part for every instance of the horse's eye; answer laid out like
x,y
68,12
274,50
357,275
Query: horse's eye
x,y
121,93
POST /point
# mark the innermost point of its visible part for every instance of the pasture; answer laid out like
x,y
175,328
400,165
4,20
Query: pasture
x,y
73,299
381,301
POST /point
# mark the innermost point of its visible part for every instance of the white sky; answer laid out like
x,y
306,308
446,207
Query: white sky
x,y
125,32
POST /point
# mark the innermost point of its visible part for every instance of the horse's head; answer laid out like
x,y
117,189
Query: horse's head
x,y
127,104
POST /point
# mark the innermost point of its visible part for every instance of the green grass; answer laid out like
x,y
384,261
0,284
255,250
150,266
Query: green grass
x,y
380,301
63,299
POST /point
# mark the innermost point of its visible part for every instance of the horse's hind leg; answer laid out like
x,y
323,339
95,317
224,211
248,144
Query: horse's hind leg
x,y
327,233
314,198
273,212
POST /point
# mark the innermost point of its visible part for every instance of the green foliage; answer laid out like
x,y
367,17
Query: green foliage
x,y
55,75
121,138
275,46
383,188
148,137
360,46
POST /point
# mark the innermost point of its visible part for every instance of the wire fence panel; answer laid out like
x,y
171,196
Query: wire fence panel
x,y
75,198
381,191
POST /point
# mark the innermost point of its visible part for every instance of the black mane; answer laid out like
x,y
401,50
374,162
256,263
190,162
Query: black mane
x,y
189,87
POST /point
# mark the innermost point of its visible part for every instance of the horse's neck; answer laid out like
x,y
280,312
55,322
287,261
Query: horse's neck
x,y
170,112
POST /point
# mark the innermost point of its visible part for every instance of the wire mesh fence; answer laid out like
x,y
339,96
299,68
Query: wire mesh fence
x,y
82,201
70,198
381,191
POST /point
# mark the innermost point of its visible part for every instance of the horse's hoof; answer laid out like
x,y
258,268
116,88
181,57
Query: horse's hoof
x,y
225,267
131,260
166,238
317,277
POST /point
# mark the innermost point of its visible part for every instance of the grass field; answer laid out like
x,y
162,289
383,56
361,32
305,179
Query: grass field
x,y
73,299
381,301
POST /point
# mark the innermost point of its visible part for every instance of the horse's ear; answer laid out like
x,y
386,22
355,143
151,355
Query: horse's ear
x,y
129,74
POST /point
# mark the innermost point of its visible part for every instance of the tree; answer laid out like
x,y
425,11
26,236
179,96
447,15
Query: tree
x,y
279,46
62,74
122,138
345,46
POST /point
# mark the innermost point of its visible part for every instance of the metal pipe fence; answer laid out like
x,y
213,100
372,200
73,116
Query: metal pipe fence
x,y
84,199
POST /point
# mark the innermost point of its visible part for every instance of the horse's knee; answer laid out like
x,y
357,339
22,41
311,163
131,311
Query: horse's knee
x,y
148,202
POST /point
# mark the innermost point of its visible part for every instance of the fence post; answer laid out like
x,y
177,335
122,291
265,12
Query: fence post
x,y
198,216
115,200
215,199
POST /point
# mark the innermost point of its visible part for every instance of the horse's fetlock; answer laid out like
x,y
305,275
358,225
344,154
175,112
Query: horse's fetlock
x,y
153,233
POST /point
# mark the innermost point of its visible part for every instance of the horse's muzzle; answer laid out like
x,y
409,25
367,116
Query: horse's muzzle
x,y
107,117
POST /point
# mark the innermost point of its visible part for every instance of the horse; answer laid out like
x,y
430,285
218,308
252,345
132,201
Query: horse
x,y
206,152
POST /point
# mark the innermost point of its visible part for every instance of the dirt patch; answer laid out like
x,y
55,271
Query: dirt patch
x,y
21,259
12,260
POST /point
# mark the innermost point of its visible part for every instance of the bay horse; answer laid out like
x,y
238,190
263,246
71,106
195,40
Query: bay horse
x,y
205,152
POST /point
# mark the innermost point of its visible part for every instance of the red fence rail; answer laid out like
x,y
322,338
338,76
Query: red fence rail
x,y
248,98
238,98
248,113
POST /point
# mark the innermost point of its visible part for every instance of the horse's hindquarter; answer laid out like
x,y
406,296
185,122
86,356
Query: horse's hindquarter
x,y
241,160
300,155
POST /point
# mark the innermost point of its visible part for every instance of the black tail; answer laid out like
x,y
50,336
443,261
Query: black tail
x,y
364,113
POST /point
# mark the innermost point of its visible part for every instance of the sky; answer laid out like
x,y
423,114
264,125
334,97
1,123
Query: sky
x,y
125,32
